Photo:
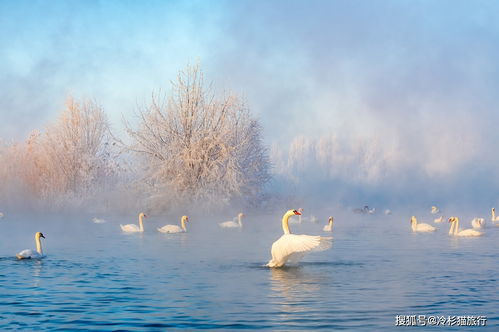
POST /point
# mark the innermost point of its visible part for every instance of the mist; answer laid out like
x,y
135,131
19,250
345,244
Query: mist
x,y
360,103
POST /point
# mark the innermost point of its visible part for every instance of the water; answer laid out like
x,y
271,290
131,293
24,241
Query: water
x,y
96,278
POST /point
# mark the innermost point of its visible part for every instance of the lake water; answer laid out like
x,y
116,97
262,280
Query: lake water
x,y
97,278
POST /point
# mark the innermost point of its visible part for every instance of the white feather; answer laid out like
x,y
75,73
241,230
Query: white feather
x,y
171,229
293,247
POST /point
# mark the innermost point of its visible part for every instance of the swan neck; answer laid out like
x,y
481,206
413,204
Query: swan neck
x,y
239,221
182,222
493,214
141,224
38,245
414,224
285,224
451,230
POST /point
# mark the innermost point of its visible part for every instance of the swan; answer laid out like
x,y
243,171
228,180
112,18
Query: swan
x,y
478,223
175,228
132,228
434,210
98,220
232,223
32,254
494,218
420,227
388,212
329,226
439,219
293,247
454,229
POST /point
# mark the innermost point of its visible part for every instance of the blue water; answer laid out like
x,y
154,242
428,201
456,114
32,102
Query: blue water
x,y
96,278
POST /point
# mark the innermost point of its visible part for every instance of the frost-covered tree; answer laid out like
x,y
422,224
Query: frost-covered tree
x,y
71,156
197,147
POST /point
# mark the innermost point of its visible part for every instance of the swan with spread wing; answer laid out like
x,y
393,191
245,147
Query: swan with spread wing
x,y
292,247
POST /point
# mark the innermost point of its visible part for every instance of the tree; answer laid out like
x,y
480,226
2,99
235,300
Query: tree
x,y
196,147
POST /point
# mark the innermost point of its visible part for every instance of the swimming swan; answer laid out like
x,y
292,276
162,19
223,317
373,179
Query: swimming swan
x,y
439,219
175,228
329,226
454,229
31,254
421,227
233,224
434,210
478,223
132,228
293,247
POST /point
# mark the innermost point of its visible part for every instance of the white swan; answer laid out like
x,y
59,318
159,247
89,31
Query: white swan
x,y
454,229
439,219
175,228
98,220
388,212
420,227
293,247
28,253
494,218
478,223
232,223
132,228
434,210
329,226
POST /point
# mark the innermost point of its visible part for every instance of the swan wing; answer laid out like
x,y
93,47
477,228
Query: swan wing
x,y
469,232
425,228
294,247
170,229
229,224
130,228
27,254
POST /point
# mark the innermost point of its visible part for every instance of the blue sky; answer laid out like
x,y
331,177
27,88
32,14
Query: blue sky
x,y
422,75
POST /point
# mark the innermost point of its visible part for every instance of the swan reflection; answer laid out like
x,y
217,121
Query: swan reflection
x,y
294,288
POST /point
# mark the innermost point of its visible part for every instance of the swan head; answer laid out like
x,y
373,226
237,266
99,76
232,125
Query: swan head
x,y
297,212
452,219
185,218
493,209
413,219
240,215
142,215
38,235
330,219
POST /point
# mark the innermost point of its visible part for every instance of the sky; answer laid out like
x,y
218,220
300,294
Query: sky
x,y
419,78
